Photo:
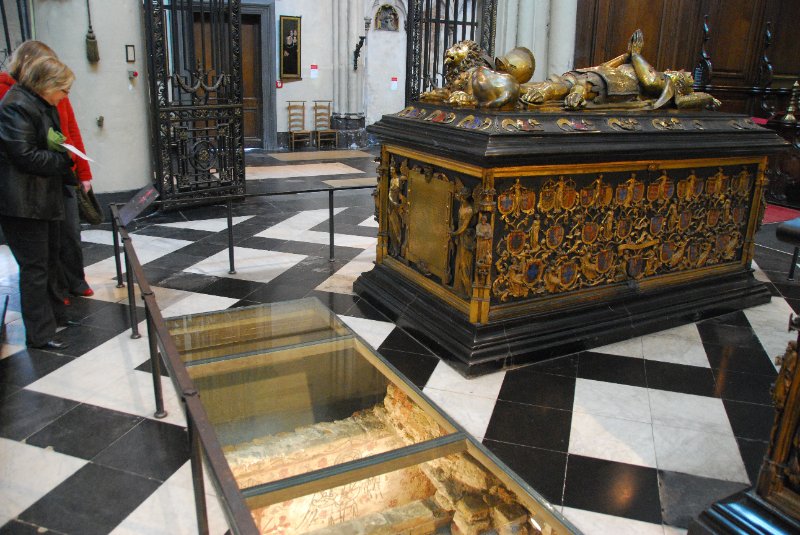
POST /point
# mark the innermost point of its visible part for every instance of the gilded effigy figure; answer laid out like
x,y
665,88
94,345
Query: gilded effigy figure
x,y
625,81
472,79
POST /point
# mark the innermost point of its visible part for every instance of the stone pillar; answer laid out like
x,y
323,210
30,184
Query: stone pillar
x,y
561,56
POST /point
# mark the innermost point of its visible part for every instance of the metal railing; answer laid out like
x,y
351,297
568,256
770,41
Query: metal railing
x,y
203,443
116,228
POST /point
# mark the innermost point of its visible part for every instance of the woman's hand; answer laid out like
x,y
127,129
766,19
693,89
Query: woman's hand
x,y
86,185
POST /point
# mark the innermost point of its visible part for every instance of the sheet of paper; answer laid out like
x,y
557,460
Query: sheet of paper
x,y
76,152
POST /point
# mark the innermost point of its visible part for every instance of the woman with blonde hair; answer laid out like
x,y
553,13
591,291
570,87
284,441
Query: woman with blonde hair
x,y
32,175
72,277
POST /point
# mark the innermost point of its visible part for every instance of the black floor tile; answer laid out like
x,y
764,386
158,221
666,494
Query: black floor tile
x,y
187,234
544,470
7,389
203,248
612,369
399,340
94,500
726,335
151,449
244,303
15,527
535,388
84,431
530,425
188,282
148,368
414,367
115,317
747,359
26,366
736,319
684,496
95,252
566,366
273,292
233,288
262,244
787,288
338,303
679,378
612,488
747,387
175,261
26,412
362,309
749,420
84,338
752,452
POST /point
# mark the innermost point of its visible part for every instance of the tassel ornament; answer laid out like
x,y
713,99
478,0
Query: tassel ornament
x,y
92,51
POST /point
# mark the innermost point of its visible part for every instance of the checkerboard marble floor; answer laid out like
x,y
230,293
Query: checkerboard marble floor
x,y
636,437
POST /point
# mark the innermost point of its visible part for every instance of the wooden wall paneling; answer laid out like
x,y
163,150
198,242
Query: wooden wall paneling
x,y
736,37
586,28
784,52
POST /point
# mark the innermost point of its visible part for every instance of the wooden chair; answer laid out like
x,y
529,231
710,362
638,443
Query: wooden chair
x,y
297,123
322,124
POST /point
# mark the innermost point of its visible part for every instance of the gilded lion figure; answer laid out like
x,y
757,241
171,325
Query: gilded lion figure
x,y
472,79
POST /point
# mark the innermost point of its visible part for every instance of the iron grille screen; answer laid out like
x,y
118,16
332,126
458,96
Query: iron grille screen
x,y
196,96
434,26
16,27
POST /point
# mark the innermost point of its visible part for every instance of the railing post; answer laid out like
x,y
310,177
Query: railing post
x,y
330,221
155,360
115,235
131,297
230,238
196,457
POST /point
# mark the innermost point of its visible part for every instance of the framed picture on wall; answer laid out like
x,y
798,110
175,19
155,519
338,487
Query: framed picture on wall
x,y
290,48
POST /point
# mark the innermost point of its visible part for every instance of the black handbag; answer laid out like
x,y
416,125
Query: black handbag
x,y
88,207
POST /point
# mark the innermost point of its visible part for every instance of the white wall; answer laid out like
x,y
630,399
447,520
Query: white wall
x,y
315,41
384,57
121,148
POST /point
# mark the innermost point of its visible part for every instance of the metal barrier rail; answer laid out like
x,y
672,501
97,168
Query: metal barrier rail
x,y
116,224
202,438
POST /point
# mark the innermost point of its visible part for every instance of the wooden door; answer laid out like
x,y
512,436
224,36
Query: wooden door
x,y
251,81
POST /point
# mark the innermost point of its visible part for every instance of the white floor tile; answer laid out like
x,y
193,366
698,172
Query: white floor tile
x,y
251,264
444,377
671,530
170,510
148,248
681,345
626,348
80,379
471,412
297,228
369,222
372,331
197,304
689,412
770,323
342,281
613,439
304,169
28,472
611,399
690,451
208,225
599,524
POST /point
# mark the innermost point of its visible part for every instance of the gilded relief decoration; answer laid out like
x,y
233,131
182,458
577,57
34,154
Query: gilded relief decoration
x,y
587,230
438,225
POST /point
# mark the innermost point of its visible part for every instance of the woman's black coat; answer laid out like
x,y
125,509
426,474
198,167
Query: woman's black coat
x,y
31,176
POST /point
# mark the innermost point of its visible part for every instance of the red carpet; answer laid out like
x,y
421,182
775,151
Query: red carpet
x,y
777,214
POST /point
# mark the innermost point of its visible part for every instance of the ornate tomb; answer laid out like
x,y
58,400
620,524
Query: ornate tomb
x,y
511,232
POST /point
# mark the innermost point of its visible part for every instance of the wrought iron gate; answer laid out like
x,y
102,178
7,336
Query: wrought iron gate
x,y
194,61
16,27
433,27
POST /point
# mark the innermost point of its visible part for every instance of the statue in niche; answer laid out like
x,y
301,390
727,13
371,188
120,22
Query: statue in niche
x,y
397,212
387,19
464,237
472,79
627,81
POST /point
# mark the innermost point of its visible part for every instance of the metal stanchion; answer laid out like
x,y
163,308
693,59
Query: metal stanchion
x,y
115,235
230,238
196,458
155,361
131,297
330,221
